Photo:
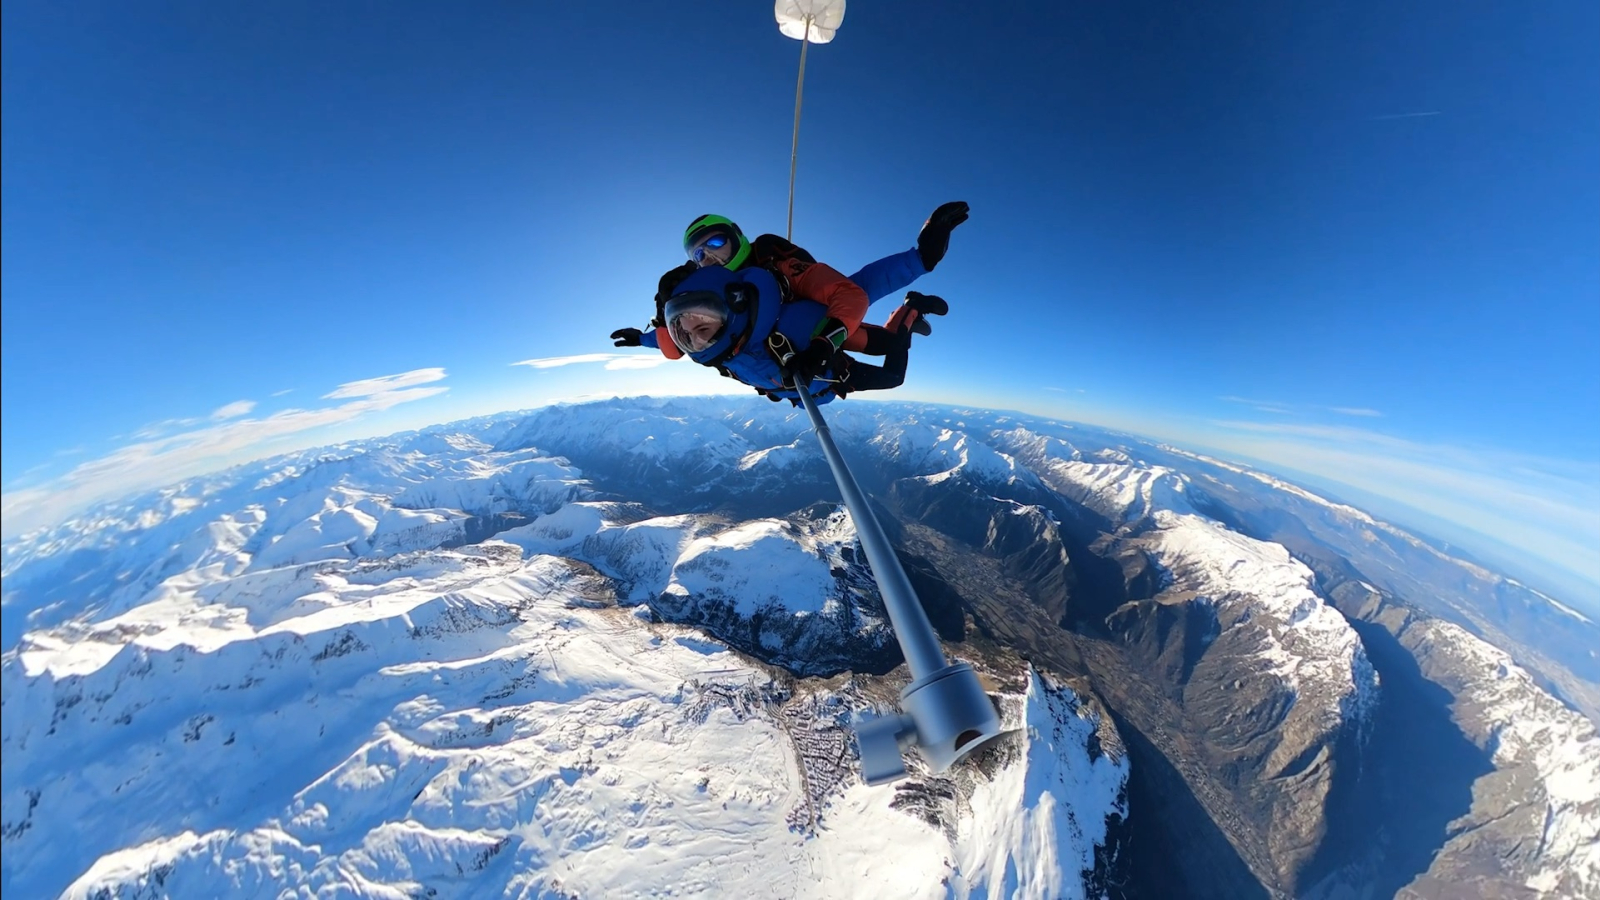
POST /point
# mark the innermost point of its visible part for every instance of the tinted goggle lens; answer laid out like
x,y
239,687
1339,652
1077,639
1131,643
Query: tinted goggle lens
x,y
714,248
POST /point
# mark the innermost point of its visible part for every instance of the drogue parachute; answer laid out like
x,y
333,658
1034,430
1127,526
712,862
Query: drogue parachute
x,y
821,17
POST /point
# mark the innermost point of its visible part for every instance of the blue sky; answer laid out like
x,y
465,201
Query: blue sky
x,y
1357,244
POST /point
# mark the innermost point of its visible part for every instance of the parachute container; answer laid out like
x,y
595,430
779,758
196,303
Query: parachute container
x,y
822,16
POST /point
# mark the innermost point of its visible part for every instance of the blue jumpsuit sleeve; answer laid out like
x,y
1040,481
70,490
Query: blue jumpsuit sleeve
x,y
889,275
647,338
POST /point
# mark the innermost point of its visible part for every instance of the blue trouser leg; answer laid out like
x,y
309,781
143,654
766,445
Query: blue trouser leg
x,y
889,275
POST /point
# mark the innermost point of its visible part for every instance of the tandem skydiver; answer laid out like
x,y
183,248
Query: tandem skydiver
x,y
753,313
738,322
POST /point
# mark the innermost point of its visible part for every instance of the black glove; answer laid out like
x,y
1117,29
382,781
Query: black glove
x,y
664,288
814,359
935,237
806,365
627,337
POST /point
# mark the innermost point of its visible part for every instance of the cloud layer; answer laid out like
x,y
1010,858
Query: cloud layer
x,y
156,460
1545,511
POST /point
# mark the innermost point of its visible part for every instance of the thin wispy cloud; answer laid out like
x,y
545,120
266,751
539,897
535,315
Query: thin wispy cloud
x,y
1409,115
282,392
1266,406
613,361
233,410
1345,433
164,459
157,429
368,387
1289,409
27,477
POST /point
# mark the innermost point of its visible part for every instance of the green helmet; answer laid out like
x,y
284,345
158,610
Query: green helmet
x,y
716,240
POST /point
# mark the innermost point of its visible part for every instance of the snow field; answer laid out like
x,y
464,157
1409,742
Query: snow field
x,y
438,721
476,713
1034,829
1529,728
471,735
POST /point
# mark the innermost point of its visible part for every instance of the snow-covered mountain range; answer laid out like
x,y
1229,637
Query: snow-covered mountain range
x,y
611,649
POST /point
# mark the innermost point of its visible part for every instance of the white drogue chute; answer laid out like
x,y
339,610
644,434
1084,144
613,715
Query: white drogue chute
x,y
823,18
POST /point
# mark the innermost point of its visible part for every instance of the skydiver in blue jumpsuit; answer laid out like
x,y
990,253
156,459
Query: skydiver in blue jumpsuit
x,y
818,313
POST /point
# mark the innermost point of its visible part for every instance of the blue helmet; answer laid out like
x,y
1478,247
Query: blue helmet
x,y
715,311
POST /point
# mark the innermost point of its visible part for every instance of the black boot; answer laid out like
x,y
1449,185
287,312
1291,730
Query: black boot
x,y
926,305
935,237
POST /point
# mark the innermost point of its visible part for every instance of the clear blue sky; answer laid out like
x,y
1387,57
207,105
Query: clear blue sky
x,y
1336,240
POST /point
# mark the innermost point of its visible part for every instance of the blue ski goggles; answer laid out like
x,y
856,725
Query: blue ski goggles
x,y
712,247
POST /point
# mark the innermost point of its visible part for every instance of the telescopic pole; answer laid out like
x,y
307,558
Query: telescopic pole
x,y
945,712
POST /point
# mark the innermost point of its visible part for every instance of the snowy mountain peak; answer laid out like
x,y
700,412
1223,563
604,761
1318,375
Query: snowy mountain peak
x,y
1258,590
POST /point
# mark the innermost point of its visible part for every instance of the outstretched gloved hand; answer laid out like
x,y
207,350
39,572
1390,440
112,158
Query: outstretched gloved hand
x,y
627,337
935,237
